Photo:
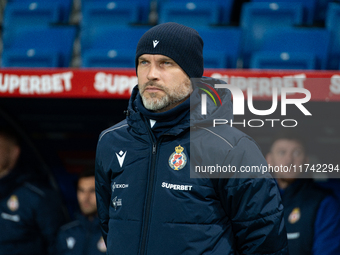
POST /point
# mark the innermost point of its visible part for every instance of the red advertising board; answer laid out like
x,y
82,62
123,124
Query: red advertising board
x,y
117,83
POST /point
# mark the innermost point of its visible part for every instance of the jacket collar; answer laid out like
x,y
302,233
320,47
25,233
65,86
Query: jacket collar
x,y
180,118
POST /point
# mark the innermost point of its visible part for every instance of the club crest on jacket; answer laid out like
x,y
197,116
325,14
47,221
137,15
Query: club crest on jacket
x,y
13,203
178,159
294,215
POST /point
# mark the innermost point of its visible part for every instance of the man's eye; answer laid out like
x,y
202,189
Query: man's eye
x,y
143,62
281,153
297,153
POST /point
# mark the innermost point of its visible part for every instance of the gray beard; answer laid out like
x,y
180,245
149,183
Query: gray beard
x,y
155,104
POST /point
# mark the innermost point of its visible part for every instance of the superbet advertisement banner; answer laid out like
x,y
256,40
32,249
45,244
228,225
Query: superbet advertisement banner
x,y
117,83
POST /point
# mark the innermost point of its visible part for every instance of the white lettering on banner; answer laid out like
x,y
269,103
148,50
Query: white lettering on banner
x,y
262,86
335,84
35,84
114,83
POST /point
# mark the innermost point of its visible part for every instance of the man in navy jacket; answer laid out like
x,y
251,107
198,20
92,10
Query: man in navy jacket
x,y
83,236
147,201
30,215
312,214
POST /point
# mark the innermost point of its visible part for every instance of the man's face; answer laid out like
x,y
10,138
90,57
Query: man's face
x,y
9,153
162,82
87,196
288,153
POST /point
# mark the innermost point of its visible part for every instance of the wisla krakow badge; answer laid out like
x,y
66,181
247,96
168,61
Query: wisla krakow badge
x,y
178,159
13,203
294,215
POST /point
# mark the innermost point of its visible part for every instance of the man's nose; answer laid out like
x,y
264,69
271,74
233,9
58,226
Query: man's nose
x,y
153,73
289,159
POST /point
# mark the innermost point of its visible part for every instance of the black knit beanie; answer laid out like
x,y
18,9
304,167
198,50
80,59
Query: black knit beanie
x,y
178,42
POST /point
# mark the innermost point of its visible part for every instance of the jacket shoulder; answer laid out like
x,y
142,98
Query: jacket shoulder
x,y
69,226
119,126
227,135
33,189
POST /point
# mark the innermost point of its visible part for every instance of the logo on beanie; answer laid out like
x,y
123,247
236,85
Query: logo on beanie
x,y
155,42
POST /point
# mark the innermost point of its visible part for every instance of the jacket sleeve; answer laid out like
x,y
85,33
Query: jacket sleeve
x,y
103,194
61,245
327,227
50,217
253,204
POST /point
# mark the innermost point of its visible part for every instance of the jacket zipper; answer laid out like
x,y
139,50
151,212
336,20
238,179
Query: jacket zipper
x,y
149,198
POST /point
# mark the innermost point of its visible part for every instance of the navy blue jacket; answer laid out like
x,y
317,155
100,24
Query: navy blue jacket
x,y
312,217
149,204
82,236
30,217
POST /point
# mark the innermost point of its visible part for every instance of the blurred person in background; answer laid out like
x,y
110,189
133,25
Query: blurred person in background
x,y
312,214
30,215
83,236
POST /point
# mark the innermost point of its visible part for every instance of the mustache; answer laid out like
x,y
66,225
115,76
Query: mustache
x,y
153,84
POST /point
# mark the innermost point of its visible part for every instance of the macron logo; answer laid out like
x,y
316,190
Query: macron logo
x,y
155,42
121,157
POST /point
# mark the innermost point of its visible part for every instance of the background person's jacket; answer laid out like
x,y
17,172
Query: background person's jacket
x,y
30,216
312,219
148,204
81,237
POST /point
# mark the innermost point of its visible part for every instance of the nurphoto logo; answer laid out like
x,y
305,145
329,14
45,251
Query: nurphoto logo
x,y
239,102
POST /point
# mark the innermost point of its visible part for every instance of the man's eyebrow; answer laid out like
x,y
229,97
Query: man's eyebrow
x,y
141,58
165,59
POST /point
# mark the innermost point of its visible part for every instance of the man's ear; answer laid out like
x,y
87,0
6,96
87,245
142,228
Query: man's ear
x,y
14,154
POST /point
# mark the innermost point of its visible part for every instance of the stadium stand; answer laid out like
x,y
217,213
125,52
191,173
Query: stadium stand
x,y
18,14
64,6
332,24
193,14
221,46
308,8
38,46
257,18
109,46
142,7
108,13
320,11
224,45
224,7
283,60
312,41
108,58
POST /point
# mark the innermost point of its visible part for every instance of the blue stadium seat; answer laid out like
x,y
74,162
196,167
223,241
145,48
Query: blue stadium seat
x,y
30,58
108,58
308,8
332,24
283,60
31,14
111,38
321,10
214,59
65,6
143,7
192,14
111,44
257,18
313,41
32,43
101,13
225,7
221,47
